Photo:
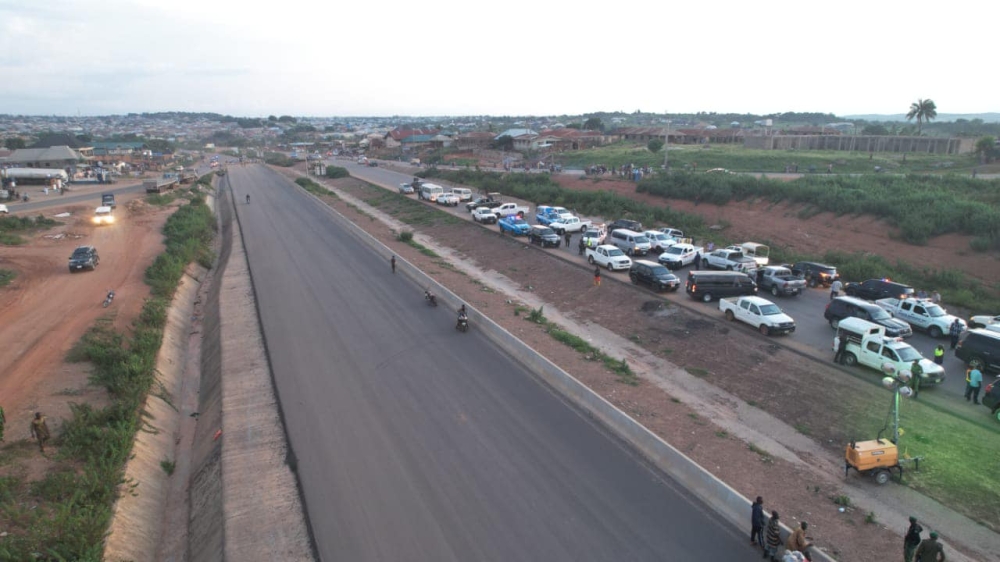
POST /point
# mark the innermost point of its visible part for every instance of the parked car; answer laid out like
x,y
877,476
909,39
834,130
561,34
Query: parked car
x,y
626,224
484,215
760,313
594,235
658,241
779,280
679,255
980,349
921,314
632,243
3,210
984,320
608,256
514,225
672,232
406,188
447,198
853,307
868,345
816,273
84,257
874,289
544,236
653,274
710,285
991,399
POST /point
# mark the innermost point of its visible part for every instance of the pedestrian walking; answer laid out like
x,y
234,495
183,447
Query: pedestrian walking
x,y
392,263
939,354
773,540
930,550
954,331
248,198
911,540
3,422
835,288
757,522
597,276
798,541
697,260
40,430
917,373
840,344
973,382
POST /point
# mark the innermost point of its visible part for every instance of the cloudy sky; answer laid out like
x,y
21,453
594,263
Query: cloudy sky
x,y
517,57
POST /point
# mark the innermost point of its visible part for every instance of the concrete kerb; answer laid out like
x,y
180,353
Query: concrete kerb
x,y
728,502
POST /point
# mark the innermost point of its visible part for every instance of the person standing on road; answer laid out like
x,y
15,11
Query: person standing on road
x,y
917,372
248,198
392,263
939,354
757,522
954,331
697,261
835,288
930,550
912,540
569,237
773,537
973,381
597,276
40,430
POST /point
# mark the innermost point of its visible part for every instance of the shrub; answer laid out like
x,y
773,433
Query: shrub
x,y
334,172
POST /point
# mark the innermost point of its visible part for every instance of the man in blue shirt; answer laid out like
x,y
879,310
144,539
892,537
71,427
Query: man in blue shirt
x,y
973,382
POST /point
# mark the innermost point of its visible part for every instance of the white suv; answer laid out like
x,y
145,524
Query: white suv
x,y
3,209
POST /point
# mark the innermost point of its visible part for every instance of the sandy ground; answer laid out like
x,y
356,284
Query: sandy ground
x,y
712,406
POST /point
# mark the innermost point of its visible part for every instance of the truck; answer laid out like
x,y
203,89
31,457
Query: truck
x,y
514,225
159,185
569,224
780,281
729,260
867,345
760,313
108,200
922,314
609,257
508,209
484,215
679,255
188,177
545,214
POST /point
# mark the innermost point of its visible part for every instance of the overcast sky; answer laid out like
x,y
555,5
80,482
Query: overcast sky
x,y
517,57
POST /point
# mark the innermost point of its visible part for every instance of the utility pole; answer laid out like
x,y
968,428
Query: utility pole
x,y
666,146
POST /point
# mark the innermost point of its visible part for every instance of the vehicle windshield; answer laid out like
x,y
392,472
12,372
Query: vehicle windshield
x,y
908,354
591,234
880,314
80,253
935,311
675,250
770,310
641,240
660,271
520,221
546,232
616,252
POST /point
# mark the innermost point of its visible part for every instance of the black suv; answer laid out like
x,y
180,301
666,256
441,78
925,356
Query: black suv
x,y
653,274
634,226
815,273
980,349
874,289
847,307
84,257
543,236
991,399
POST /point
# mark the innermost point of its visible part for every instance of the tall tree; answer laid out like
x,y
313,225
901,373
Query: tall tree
x,y
922,110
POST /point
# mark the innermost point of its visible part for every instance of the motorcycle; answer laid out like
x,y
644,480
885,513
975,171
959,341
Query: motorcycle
x,y
463,323
430,298
109,298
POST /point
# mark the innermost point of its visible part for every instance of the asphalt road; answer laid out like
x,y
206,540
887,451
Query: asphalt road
x,y
417,442
812,329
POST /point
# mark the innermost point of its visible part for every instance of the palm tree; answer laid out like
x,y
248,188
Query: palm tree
x,y
923,110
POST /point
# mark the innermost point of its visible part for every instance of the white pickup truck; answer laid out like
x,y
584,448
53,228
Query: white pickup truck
x,y
569,224
609,256
730,260
922,314
508,209
868,345
759,313
679,255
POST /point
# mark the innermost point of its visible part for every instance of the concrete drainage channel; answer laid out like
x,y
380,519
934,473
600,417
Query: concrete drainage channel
x,y
729,503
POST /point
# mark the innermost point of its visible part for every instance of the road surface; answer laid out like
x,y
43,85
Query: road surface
x,y
417,442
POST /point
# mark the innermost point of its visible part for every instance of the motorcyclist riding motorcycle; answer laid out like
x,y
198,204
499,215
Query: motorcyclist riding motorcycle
x,y
463,319
430,298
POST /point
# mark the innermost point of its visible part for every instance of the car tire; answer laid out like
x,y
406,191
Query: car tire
x,y
882,476
977,362
850,359
707,297
609,266
729,268
730,316
935,332
774,290
764,330
635,280
590,260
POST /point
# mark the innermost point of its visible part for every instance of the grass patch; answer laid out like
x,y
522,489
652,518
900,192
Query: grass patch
x,y
6,276
803,429
336,172
65,515
764,455
161,199
12,227
168,466
312,187
841,500
870,518
697,372
722,434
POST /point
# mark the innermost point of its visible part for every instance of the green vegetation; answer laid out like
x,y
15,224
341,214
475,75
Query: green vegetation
x,y
6,276
65,515
278,159
334,172
737,158
168,466
161,199
11,226
841,500
312,187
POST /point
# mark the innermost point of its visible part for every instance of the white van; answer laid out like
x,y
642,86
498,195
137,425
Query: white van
x,y
630,242
430,191
463,193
